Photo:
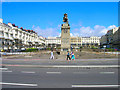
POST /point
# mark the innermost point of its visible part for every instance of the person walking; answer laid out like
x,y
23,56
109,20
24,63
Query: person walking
x,y
73,56
68,56
52,56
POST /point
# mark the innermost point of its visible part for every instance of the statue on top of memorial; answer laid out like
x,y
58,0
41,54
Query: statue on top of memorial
x,y
65,18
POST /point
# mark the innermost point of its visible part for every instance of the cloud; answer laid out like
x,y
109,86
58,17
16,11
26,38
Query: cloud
x,y
61,0
97,30
111,27
59,26
48,32
33,26
88,31
76,24
2,0
71,34
59,35
12,0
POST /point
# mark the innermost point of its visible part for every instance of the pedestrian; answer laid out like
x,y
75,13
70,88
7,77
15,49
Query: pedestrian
x,y
73,56
68,56
52,56
80,50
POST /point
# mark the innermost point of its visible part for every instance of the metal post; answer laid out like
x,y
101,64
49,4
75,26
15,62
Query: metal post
x,y
104,50
0,67
0,58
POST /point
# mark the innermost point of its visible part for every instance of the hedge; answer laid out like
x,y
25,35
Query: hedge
x,y
31,50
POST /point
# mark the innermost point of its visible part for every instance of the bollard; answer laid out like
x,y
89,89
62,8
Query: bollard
x,y
1,57
0,72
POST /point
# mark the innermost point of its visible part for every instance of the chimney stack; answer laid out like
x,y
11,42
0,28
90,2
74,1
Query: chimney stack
x,y
1,20
10,24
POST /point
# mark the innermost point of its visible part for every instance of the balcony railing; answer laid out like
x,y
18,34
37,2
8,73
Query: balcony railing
x,y
1,29
6,30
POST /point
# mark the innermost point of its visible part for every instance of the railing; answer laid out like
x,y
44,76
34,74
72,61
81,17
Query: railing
x,y
6,30
1,29
12,53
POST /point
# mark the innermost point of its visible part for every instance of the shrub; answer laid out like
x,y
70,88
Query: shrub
x,y
48,48
93,47
111,49
31,50
81,47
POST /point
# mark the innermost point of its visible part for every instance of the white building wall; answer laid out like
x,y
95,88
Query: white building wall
x,y
10,34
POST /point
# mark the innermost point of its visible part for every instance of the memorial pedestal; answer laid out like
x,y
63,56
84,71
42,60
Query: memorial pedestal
x,y
65,37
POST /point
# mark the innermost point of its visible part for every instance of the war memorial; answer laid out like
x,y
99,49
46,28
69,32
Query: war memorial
x,y
65,34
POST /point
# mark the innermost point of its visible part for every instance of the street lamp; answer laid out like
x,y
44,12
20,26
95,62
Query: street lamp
x,y
104,50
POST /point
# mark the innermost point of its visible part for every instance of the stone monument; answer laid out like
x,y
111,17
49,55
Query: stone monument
x,y
65,34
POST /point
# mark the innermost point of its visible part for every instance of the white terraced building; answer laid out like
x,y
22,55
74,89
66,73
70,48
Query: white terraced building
x,y
53,42
14,38
88,41
111,39
75,41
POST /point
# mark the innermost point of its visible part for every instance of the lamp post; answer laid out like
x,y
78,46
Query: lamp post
x,y
1,57
104,50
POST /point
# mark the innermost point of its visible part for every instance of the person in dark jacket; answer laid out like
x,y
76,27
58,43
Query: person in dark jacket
x,y
68,56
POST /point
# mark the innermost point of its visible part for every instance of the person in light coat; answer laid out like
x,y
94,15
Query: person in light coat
x,y
52,56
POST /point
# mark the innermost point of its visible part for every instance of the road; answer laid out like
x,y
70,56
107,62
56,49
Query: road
x,y
19,77
27,73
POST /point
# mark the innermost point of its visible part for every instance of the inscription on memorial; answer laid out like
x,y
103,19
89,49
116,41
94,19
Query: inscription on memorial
x,y
65,30
65,40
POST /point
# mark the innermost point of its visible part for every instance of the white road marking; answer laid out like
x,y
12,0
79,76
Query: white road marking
x,y
88,86
107,72
3,68
27,72
28,56
84,66
80,72
3,83
6,71
53,72
64,66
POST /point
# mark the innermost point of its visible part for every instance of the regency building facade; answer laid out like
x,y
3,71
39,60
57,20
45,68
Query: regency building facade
x,y
76,42
111,39
14,38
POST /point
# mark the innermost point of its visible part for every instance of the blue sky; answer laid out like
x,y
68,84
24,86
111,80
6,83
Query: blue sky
x,y
59,0
85,18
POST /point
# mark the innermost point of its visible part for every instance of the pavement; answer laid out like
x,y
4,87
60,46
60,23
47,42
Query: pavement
x,y
81,63
78,55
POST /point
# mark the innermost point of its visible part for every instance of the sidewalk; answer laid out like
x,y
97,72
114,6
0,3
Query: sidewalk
x,y
113,53
113,61
46,55
42,60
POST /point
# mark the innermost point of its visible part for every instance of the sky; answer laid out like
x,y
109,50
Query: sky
x,y
59,0
85,18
